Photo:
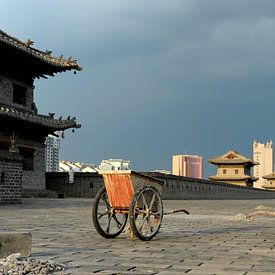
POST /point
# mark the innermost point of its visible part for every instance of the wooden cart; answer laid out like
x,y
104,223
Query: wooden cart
x,y
128,193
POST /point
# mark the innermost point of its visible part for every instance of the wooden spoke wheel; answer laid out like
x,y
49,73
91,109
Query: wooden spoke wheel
x,y
108,222
145,213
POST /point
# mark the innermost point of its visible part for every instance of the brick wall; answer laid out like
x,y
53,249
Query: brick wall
x,y
10,178
177,188
84,185
189,188
6,93
35,179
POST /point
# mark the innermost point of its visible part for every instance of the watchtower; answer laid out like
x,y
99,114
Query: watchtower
x,y
23,130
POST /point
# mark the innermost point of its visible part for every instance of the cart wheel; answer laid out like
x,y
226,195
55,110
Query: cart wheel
x,y
107,222
145,213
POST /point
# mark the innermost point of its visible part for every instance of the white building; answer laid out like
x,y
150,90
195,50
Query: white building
x,y
68,166
111,164
263,155
52,153
114,164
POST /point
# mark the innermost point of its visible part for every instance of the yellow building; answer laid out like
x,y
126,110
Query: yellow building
x,y
262,154
269,182
233,168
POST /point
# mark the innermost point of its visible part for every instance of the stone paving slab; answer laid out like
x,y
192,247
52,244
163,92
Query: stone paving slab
x,y
208,241
15,242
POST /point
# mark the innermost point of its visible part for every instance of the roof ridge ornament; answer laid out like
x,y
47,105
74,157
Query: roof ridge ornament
x,y
29,43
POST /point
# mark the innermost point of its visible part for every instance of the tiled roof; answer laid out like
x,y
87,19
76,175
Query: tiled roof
x,y
270,176
231,157
59,62
43,120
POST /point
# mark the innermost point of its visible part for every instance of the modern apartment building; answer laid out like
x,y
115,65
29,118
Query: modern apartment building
x,y
52,153
188,166
263,155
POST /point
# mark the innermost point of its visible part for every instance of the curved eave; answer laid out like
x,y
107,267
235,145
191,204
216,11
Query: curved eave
x,y
269,177
228,162
39,120
269,187
57,64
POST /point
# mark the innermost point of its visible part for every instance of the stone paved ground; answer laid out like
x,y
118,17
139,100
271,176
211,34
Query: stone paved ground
x,y
208,241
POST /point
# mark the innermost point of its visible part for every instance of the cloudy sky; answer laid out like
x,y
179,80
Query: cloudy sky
x,y
159,77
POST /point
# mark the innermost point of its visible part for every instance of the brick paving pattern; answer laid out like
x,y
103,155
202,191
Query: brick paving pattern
x,y
208,241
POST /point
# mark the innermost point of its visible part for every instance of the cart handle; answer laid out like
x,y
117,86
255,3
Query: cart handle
x,y
177,211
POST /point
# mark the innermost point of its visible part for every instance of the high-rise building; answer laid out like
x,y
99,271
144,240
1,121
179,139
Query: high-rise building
x,y
263,155
52,153
188,166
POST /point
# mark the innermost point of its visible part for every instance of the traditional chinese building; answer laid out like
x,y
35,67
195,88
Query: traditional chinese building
x,y
22,129
233,168
269,182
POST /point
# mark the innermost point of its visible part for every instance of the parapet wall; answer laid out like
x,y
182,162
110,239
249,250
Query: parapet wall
x,y
84,185
10,178
177,188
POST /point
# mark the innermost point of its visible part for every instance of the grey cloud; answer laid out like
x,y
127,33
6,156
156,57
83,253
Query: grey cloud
x,y
160,77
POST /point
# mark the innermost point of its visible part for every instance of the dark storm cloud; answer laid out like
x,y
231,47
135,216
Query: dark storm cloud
x,y
160,77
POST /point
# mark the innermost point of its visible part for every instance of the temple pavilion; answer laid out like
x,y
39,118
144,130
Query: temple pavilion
x,y
269,181
233,168
23,130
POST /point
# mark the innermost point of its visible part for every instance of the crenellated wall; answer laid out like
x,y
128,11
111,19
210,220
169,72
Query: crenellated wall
x,y
190,188
177,188
84,184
